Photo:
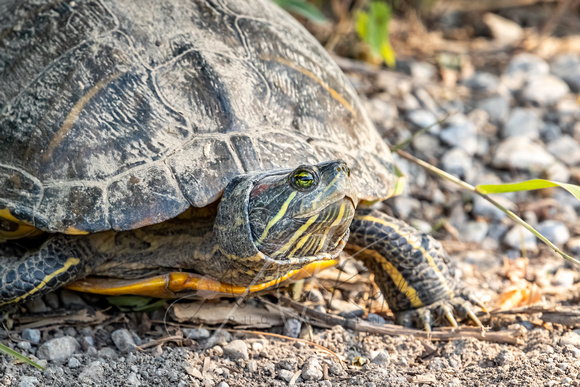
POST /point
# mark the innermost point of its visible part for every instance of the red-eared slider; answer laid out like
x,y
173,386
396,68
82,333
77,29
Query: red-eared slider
x,y
168,147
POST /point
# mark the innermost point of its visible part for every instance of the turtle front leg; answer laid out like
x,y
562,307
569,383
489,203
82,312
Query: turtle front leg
x,y
59,260
411,268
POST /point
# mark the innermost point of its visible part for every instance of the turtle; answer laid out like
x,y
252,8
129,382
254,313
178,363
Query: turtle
x,y
193,147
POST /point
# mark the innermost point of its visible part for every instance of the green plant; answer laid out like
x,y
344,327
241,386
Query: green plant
x,y
302,8
372,27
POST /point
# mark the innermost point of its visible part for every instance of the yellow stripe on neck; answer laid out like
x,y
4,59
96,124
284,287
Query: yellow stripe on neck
x,y
275,219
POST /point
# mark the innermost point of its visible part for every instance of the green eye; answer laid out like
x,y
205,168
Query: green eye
x,y
303,179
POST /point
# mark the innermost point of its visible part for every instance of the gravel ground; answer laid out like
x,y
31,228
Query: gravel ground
x,y
517,123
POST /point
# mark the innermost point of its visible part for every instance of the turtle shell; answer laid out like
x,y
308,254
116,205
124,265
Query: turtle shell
x,y
120,114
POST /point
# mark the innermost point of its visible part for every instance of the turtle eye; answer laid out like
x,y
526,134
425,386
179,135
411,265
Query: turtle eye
x,y
303,179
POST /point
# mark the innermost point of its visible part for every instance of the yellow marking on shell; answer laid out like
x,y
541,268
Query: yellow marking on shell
x,y
417,246
336,95
398,279
166,286
22,230
275,219
74,113
75,231
297,235
67,265
334,224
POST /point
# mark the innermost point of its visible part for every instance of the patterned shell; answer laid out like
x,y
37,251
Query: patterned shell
x,y
115,114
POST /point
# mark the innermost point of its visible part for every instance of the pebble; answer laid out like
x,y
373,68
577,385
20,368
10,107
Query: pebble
x,y
555,231
60,348
32,335
237,349
567,67
123,340
564,278
312,369
497,107
382,358
550,132
107,353
522,122
37,305
483,208
482,82
422,118
92,374
460,132
513,238
292,327
376,319
25,345
87,342
503,31
570,338
28,381
457,162
421,72
285,375
521,153
565,149
522,67
70,299
73,362
574,246
196,334
474,231
544,90
223,384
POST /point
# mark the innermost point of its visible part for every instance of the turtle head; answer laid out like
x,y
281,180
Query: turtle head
x,y
285,219
302,213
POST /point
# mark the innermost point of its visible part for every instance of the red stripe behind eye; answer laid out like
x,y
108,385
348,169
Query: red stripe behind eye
x,y
259,189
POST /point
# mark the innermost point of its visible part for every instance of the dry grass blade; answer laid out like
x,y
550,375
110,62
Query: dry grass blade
x,y
162,340
442,334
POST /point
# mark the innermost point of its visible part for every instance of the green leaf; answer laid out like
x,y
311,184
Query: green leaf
x,y
302,8
136,303
373,29
528,185
18,356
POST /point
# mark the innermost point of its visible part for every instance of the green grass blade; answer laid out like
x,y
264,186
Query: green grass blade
x,y
18,356
527,185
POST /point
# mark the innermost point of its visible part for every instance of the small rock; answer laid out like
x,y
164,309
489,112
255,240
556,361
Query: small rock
x,y
523,67
437,363
93,374
555,231
503,31
474,231
376,319
60,348
28,381
517,236
87,342
574,246
285,375
557,171
566,149
567,67
504,357
237,349
253,366
73,362
404,206
421,72
32,335
422,118
288,364
521,153
483,208
71,299
25,345
312,369
382,112
482,82
460,132
292,327
36,305
545,90
124,340
457,162
133,380
564,278
522,122
223,384
196,334
382,358
550,132
107,353
497,107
